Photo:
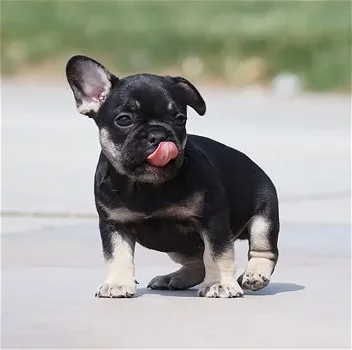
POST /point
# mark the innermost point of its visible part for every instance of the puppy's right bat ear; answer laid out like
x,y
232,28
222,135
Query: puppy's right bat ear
x,y
90,83
191,95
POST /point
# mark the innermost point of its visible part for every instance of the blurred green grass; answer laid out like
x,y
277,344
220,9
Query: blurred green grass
x,y
236,41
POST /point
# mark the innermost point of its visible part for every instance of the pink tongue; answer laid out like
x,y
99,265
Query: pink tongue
x,y
163,154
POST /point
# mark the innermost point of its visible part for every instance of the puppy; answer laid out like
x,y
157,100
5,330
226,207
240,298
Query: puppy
x,y
185,195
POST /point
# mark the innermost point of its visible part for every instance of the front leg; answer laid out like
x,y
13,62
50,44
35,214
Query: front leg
x,y
118,249
219,262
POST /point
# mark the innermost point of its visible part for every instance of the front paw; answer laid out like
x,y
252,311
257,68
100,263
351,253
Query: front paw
x,y
257,274
218,290
253,281
108,290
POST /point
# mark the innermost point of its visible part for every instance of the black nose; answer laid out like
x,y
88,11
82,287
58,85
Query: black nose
x,y
156,136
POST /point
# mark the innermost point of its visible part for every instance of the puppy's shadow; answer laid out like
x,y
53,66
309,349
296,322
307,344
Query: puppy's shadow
x,y
188,293
271,289
276,288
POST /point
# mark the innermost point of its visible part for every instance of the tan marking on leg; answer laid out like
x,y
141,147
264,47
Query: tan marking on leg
x,y
219,274
120,280
259,234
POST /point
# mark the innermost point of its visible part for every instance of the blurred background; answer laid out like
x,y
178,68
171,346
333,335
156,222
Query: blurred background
x,y
223,42
276,77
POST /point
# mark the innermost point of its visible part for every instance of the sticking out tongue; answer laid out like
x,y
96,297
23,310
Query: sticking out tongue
x,y
163,154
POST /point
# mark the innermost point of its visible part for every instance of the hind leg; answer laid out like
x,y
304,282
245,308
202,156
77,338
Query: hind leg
x,y
263,252
190,274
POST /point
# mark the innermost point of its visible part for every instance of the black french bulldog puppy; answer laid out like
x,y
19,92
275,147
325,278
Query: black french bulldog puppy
x,y
186,195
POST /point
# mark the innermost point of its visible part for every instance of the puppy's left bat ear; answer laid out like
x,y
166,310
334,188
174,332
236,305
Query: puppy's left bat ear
x,y
90,83
192,96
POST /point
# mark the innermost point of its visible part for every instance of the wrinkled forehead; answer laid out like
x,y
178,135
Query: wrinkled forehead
x,y
152,97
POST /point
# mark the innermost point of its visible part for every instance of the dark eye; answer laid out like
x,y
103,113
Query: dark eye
x,y
123,120
180,120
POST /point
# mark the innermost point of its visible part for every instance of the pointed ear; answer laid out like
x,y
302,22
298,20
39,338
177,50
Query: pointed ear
x,y
192,96
90,83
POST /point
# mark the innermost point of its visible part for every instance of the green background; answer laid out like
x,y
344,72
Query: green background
x,y
236,42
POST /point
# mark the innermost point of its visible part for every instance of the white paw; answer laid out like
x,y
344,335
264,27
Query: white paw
x,y
257,274
107,290
218,290
254,281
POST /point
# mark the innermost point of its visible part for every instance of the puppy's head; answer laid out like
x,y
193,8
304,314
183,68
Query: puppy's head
x,y
141,118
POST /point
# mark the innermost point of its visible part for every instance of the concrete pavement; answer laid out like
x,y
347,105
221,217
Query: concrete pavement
x,y
49,277
51,266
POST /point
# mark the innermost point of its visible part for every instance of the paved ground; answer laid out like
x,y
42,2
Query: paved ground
x,y
51,266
